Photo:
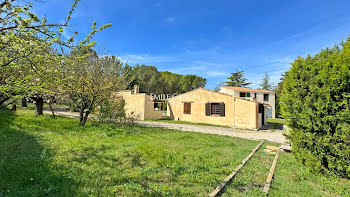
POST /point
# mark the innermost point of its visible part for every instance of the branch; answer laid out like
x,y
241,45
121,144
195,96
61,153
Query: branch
x,y
5,2
32,27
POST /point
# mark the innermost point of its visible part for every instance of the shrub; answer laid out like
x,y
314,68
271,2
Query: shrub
x,y
112,111
316,99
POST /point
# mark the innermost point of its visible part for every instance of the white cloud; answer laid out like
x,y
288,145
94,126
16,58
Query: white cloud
x,y
214,73
146,59
169,20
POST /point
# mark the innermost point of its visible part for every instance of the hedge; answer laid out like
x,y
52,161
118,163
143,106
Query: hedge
x,y
316,99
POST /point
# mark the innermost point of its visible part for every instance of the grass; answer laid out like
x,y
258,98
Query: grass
x,y
186,122
277,121
41,156
291,178
252,177
294,179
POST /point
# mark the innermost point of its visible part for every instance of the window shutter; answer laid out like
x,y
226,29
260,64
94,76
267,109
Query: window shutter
x,y
222,109
207,109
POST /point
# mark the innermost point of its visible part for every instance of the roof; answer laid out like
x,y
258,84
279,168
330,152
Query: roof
x,y
224,94
244,89
205,90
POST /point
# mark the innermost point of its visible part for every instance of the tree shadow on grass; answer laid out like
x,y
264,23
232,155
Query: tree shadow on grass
x,y
26,167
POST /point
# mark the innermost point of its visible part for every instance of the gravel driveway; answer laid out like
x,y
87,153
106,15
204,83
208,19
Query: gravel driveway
x,y
269,135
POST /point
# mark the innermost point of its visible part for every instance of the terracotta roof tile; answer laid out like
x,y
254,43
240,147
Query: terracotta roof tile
x,y
243,89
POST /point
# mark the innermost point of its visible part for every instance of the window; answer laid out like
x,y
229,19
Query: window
x,y
255,96
215,109
158,106
187,108
242,94
266,97
248,94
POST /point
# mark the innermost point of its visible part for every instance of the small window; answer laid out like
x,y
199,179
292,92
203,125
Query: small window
x,y
254,95
215,108
266,97
242,94
187,108
248,94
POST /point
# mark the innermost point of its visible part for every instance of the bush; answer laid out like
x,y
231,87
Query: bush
x,y
112,111
316,99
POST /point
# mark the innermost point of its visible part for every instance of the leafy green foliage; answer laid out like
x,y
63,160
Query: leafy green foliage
x,y
278,92
237,79
150,80
112,111
316,99
91,80
32,53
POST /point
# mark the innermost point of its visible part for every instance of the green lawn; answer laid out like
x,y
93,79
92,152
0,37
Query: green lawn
x,y
290,179
41,156
277,121
186,122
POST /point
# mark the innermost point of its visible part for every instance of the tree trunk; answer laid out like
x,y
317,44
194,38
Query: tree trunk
x,y
85,118
14,107
52,111
24,102
39,104
81,117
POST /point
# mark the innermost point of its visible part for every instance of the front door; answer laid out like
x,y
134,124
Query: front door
x,y
262,111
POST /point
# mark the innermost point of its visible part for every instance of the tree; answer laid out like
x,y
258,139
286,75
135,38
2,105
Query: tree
x,y
316,99
218,87
237,79
91,80
171,82
265,82
278,92
27,59
191,82
18,23
150,80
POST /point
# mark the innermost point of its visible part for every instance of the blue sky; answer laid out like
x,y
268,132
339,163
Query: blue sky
x,y
209,38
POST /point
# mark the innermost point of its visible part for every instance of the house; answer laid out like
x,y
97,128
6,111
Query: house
x,y
141,106
260,95
207,106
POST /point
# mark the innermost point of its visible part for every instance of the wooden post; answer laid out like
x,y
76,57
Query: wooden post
x,y
272,170
228,179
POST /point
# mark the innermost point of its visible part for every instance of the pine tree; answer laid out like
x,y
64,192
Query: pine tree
x,y
237,79
265,82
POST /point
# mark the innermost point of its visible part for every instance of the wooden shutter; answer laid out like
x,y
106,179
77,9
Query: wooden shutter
x,y
207,109
222,109
187,108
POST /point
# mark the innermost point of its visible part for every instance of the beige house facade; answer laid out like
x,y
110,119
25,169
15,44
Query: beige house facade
x,y
206,106
263,96
140,105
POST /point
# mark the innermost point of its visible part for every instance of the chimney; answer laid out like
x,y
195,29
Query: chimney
x,y
136,89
